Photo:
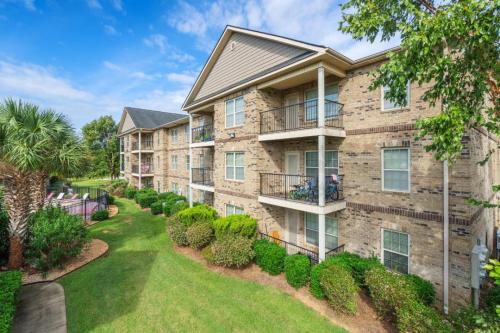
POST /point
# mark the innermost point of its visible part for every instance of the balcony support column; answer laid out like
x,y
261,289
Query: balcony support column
x,y
140,159
190,194
321,96
321,237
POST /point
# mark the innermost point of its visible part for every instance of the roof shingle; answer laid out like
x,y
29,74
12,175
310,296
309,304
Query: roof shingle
x,y
149,119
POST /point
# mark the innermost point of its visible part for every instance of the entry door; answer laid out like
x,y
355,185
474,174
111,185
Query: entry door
x,y
292,228
292,111
292,165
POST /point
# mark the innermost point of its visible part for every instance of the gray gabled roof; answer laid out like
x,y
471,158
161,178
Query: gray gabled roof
x,y
150,119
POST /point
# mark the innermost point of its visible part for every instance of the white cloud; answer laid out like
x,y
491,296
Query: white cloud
x,y
94,4
156,40
130,73
181,78
117,4
28,4
110,30
160,42
163,100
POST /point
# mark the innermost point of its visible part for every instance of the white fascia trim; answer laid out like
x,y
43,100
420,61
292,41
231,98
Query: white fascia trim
x,y
303,133
203,187
203,144
330,207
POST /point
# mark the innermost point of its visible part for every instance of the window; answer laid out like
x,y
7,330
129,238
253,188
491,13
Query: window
x,y
186,133
389,105
312,231
187,192
396,249
158,162
396,169
158,189
235,114
311,105
234,166
232,210
158,138
174,162
173,135
187,162
175,188
148,141
331,163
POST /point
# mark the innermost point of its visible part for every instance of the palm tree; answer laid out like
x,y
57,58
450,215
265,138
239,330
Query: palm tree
x,y
33,145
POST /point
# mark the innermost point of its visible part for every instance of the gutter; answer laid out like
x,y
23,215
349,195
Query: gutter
x,y
445,237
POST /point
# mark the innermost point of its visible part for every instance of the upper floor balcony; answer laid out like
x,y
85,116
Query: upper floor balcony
x,y
202,136
146,169
203,178
146,147
301,120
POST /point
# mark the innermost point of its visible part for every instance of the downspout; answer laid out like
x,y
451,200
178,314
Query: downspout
x,y
445,237
190,194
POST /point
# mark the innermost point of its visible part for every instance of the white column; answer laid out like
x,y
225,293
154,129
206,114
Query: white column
x,y
190,161
321,96
140,160
321,161
321,231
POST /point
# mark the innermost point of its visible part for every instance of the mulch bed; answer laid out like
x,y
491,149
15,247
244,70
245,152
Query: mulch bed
x,y
365,321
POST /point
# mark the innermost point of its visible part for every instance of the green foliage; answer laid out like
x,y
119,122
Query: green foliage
x,y
4,237
165,196
297,270
492,300
423,288
468,319
356,265
156,207
10,284
231,251
130,192
197,214
117,187
415,317
100,215
145,200
179,206
177,231
339,288
111,200
493,268
270,257
242,225
55,237
143,192
174,203
199,235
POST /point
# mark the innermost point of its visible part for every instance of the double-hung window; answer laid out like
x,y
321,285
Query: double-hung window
x,y
312,231
311,102
389,105
173,135
331,163
175,188
396,169
186,133
232,210
158,163
187,162
396,249
235,113
174,162
235,169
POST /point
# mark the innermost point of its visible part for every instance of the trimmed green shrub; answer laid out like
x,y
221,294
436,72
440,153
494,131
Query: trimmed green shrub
x,y
179,206
231,251
130,192
468,319
297,270
199,235
100,215
111,200
424,289
10,284
164,196
55,237
156,207
197,214
242,225
492,299
315,286
415,317
4,237
270,257
143,192
339,288
174,203
207,254
177,231
146,199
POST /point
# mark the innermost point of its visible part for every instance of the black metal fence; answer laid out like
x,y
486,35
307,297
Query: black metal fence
x,y
203,133
292,248
83,201
299,187
203,176
300,116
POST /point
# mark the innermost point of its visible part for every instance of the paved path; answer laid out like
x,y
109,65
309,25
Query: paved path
x,y
41,309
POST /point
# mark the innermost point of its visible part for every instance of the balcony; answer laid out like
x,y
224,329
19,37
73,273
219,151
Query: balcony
x,y
202,179
146,169
147,146
202,136
301,192
301,120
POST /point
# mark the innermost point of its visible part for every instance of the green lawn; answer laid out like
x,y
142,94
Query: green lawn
x,y
142,285
90,182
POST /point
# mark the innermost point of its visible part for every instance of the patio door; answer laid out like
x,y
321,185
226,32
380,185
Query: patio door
x,y
292,111
292,168
292,229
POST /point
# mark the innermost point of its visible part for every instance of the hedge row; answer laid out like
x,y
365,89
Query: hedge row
x,y
10,284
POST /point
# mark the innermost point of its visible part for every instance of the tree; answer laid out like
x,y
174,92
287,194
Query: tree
x,y
33,145
101,145
454,46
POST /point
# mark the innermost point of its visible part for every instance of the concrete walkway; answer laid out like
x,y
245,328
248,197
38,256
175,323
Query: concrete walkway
x,y
41,309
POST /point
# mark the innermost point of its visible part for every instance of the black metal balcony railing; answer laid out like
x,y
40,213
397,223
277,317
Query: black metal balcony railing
x,y
146,145
208,198
145,168
300,188
203,176
203,133
300,116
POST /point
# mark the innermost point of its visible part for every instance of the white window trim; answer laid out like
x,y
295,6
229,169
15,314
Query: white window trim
x,y
174,136
188,162
315,151
174,164
312,244
409,169
382,249
225,167
186,133
233,208
234,115
408,99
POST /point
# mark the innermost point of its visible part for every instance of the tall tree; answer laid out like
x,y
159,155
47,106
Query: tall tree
x,y
101,144
33,145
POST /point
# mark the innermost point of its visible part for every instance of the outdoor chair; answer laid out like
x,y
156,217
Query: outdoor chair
x,y
60,196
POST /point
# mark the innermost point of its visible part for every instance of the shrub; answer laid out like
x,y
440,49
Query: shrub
x,y
10,284
173,203
199,235
315,286
100,215
468,319
166,195
177,231
197,214
492,299
356,265
416,317
117,187
207,254
146,199
143,192
424,289
297,270
339,288
130,192
157,207
55,237
242,225
4,237
270,256
234,251
179,206
111,200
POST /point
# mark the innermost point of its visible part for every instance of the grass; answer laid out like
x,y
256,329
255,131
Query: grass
x,y
90,182
143,285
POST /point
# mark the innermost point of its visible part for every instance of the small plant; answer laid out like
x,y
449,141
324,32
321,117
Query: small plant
x,y
130,192
177,231
468,319
424,289
297,270
232,251
416,317
339,288
242,225
145,200
492,300
197,214
100,215
199,235
270,257
157,207
10,284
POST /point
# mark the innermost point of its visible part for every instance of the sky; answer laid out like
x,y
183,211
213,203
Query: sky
x,y
88,58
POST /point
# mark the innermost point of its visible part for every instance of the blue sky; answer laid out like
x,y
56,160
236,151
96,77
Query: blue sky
x,y
88,58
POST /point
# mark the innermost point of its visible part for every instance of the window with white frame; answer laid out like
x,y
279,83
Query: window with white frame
x,y
235,114
158,138
235,169
173,161
396,249
331,163
186,133
158,186
396,169
158,163
312,231
311,107
232,210
173,135
175,188
389,105
148,141
187,162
